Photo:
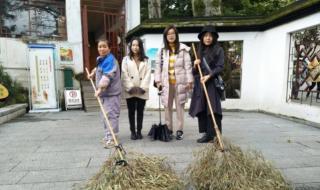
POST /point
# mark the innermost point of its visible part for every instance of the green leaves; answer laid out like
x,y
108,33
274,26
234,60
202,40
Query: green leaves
x,y
252,7
181,9
17,93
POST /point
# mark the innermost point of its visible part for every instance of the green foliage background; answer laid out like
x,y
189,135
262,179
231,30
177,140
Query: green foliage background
x,y
17,93
180,9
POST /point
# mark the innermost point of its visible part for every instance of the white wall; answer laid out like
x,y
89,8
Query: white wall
x,y
249,67
264,69
74,30
274,71
14,52
132,14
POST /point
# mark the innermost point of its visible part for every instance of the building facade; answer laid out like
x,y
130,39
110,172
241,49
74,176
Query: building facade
x,y
267,63
262,56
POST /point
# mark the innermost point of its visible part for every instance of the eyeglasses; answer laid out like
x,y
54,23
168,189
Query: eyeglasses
x,y
171,34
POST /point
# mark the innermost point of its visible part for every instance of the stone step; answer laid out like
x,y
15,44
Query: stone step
x,y
87,88
88,95
86,83
90,102
92,108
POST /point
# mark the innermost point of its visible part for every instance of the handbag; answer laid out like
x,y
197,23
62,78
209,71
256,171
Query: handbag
x,y
219,84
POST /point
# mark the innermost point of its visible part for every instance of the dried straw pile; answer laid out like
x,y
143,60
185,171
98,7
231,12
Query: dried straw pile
x,y
142,172
233,170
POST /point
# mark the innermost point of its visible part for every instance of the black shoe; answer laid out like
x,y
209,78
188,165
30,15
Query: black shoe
x,y
308,94
170,134
133,136
139,135
179,135
205,139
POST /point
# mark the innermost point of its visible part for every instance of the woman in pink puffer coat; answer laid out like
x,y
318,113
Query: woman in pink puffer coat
x,y
173,75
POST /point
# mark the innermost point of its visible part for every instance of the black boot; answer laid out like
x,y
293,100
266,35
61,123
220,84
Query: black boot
x,y
133,130
139,128
133,136
205,139
139,135
139,121
307,95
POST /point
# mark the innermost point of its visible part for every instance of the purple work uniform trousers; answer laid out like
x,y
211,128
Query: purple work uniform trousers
x,y
111,105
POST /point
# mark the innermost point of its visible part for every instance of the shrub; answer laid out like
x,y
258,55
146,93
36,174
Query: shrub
x,y
17,93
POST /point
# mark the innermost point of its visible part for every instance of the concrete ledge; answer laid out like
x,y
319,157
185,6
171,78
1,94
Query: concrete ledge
x,y
10,112
291,118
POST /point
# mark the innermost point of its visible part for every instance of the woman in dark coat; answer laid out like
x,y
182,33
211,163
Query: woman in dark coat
x,y
211,60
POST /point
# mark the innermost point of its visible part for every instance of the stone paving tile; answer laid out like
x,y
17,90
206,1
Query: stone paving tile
x,y
58,150
7,178
58,175
303,174
40,186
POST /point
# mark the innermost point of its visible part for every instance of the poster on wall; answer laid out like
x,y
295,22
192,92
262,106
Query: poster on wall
x,y
66,55
42,76
152,55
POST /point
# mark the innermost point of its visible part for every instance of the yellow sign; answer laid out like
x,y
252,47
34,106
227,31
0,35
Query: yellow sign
x,y
3,92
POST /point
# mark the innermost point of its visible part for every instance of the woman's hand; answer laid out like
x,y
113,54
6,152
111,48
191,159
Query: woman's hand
x,y
91,75
196,62
205,78
159,86
189,86
141,91
133,90
98,92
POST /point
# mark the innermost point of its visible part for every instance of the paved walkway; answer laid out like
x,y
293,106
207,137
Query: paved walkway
x,y
60,150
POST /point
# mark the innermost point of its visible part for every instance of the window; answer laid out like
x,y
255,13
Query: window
x,y
232,68
33,19
304,67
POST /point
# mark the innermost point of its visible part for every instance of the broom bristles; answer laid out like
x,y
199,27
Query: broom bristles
x,y
233,169
142,172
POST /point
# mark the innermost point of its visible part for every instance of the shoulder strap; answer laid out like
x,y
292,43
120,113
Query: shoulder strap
x,y
161,59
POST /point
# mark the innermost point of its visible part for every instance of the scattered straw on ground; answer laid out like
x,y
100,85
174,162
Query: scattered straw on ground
x,y
142,172
233,169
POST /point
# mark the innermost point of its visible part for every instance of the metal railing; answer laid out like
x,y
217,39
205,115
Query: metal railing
x,y
311,97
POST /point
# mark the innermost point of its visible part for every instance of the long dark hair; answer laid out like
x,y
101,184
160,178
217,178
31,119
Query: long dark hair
x,y
142,55
207,51
165,41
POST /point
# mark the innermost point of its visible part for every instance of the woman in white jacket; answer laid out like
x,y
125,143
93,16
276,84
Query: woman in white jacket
x,y
136,79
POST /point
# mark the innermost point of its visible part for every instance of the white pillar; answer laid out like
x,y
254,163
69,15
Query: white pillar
x,y
74,32
132,14
73,14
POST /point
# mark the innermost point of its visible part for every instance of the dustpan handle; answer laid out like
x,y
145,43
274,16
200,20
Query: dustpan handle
x,y
159,94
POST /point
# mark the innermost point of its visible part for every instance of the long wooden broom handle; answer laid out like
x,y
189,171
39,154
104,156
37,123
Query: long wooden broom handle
x,y
105,116
208,100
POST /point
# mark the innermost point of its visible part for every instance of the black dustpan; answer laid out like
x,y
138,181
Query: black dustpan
x,y
160,131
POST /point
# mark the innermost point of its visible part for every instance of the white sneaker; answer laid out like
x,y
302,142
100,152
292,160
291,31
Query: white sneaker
x,y
109,144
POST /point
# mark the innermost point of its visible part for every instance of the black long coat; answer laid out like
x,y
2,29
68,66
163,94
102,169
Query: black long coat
x,y
215,60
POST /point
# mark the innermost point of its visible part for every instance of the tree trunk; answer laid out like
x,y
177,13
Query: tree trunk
x,y
206,7
154,7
